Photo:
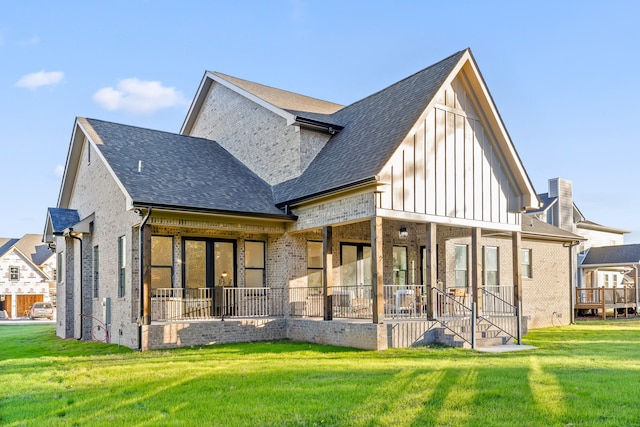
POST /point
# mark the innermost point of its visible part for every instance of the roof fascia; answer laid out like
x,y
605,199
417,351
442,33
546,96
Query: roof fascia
x,y
47,233
613,264
71,167
94,140
196,104
598,227
473,77
201,95
213,212
575,208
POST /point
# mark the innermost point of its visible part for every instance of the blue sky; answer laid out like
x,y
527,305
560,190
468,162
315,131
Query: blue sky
x,y
561,73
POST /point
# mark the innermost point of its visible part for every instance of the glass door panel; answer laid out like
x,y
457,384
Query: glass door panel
x,y
195,265
223,262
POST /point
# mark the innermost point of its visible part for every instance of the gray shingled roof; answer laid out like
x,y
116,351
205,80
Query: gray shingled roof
x,y
545,202
534,227
610,255
61,219
182,172
373,129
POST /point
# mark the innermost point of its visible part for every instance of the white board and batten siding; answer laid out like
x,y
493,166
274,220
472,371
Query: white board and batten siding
x,y
450,170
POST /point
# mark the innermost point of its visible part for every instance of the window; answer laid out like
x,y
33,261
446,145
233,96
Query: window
x,y
254,264
606,280
60,267
399,265
314,265
614,276
490,266
461,266
526,263
96,258
161,262
121,265
14,273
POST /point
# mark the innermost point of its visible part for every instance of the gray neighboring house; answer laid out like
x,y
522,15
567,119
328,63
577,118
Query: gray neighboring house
x,y
393,221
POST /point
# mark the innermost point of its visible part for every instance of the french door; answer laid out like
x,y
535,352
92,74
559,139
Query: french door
x,y
209,267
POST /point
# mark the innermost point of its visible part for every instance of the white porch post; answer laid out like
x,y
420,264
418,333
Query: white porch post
x,y
377,269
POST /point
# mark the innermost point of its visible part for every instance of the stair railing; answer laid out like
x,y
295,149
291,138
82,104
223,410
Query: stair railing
x,y
501,314
455,316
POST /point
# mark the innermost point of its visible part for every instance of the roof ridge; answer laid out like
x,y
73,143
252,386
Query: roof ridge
x,y
229,78
405,79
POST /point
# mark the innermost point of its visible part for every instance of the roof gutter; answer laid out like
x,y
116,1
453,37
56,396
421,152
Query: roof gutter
x,y
261,215
329,128
336,190
68,233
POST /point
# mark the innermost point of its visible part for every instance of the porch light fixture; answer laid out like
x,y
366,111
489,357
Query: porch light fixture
x,y
403,232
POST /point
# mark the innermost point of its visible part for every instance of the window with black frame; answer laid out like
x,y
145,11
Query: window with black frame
x,y
161,263
254,264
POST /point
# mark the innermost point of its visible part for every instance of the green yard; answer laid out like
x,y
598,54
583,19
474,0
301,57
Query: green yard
x,y
583,375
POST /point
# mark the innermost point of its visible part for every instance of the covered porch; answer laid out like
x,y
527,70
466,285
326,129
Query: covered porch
x,y
415,278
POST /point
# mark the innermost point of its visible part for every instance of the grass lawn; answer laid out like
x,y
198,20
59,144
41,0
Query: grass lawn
x,y
582,375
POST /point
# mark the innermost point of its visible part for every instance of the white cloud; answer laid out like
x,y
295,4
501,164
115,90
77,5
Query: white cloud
x,y
138,96
58,171
41,78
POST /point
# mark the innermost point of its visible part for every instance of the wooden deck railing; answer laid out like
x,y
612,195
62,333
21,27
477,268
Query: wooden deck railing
x,y
604,299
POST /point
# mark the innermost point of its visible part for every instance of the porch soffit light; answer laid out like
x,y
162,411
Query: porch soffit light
x,y
404,232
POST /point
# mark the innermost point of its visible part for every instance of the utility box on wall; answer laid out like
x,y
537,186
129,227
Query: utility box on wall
x,y
106,310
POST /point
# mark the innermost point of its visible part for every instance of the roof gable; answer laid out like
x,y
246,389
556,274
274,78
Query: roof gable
x,y
287,104
375,127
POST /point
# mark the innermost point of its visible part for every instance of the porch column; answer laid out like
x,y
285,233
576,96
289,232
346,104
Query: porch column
x,y
431,272
377,270
516,245
327,276
146,274
476,266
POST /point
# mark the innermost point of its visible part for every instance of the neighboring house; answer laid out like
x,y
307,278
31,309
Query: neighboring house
x,y
384,223
558,208
609,277
27,274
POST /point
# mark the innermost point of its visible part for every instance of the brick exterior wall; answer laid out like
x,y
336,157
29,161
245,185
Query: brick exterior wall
x,y
173,335
97,192
368,336
256,136
334,212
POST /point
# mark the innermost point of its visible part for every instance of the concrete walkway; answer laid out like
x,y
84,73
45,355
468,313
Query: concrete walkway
x,y
505,348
